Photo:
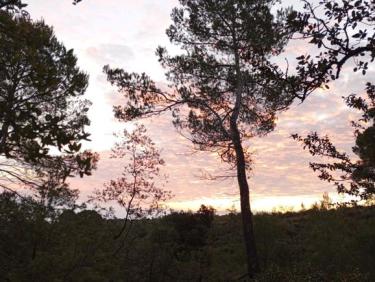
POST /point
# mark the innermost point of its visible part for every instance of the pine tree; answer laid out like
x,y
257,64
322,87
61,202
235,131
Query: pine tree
x,y
226,80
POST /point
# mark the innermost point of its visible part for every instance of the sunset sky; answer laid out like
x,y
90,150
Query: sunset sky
x,y
125,33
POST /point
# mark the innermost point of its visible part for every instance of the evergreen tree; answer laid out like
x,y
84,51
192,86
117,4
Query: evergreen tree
x,y
12,4
224,78
42,113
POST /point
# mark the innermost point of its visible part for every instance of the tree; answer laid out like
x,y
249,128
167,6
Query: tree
x,y
342,31
19,4
135,190
224,89
42,113
356,177
206,215
12,4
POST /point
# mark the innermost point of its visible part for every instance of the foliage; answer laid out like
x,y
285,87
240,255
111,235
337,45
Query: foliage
x,y
357,177
42,113
12,4
192,228
19,4
313,245
223,87
342,32
204,77
136,190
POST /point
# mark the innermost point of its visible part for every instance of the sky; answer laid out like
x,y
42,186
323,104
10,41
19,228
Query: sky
x,y
125,33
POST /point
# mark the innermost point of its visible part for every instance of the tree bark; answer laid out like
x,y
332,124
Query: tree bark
x,y
246,214
7,118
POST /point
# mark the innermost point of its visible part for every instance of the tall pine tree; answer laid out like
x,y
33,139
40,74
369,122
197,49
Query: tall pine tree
x,y
224,78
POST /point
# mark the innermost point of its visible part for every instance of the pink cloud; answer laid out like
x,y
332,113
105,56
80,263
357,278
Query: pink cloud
x,y
126,33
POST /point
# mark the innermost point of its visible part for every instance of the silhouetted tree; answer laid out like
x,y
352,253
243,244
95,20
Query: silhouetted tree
x,y
19,4
42,113
192,228
12,4
136,190
225,80
356,177
342,31
206,215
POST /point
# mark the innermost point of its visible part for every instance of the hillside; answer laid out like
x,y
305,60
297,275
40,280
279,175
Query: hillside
x,y
313,245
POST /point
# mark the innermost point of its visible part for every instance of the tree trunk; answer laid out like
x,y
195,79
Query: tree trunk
x,y
247,216
7,117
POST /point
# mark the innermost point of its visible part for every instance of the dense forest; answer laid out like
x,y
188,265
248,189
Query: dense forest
x,y
224,88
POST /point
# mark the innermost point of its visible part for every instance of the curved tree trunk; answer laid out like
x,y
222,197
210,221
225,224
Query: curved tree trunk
x,y
247,216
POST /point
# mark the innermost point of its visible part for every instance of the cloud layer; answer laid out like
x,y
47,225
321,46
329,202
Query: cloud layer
x,y
125,34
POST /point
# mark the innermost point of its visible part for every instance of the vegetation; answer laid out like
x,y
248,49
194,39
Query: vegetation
x,y
136,190
340,32
224,88
225,79
357,177
313,245
41,109
12,4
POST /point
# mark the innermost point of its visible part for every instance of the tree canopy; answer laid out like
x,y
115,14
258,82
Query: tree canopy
x,y
12,4
42,113
356,176
344,35
224,88
136,190
342,31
